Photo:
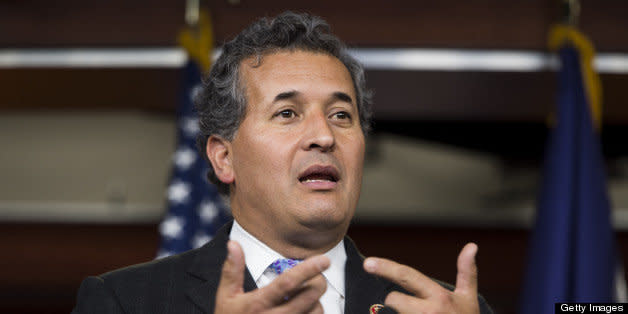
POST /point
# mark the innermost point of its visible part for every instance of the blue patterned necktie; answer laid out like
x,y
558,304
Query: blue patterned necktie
x,y
283,264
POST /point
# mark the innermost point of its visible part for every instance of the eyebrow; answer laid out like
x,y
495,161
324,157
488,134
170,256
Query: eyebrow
x,y
343,97
293,94
286,95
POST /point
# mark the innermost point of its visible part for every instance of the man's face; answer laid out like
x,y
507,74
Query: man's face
x,y
297,156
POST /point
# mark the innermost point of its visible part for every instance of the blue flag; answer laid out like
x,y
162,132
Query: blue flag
x,y
571,256
196,210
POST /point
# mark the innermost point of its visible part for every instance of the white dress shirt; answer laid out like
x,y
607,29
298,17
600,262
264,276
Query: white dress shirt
x,y
258,257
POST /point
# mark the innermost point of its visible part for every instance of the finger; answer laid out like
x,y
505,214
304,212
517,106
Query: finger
x,y
232,277
318,309
306,299
467,278
404,303
409,278
294,279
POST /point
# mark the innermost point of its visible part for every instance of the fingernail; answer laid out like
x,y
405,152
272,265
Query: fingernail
x,y
476,248
370,264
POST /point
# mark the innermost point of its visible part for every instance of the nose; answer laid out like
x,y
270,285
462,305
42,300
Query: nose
x,y
318,133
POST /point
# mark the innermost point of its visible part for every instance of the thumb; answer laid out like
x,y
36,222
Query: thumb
x,y
467,278
232,277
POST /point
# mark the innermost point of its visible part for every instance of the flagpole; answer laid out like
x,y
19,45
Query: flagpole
x,y
192,9
571,12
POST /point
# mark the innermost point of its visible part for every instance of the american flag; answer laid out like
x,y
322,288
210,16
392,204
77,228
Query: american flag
x,y
195,210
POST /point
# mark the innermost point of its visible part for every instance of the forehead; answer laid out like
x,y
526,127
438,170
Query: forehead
x,y
303,71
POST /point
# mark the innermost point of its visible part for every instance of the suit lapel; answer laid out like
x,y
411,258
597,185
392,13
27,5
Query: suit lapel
x,y
362,289
206,269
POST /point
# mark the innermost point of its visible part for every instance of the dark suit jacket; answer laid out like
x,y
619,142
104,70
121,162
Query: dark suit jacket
x,y
187,283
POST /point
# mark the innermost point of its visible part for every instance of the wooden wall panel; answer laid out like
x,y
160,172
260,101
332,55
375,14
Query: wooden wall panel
x,y
89,89
90,23
462,96
518,24
42,265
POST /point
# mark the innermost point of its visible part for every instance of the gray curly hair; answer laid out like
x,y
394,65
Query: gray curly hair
x,y
221,101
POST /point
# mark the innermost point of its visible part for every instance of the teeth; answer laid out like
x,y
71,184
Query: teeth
x,y
316,180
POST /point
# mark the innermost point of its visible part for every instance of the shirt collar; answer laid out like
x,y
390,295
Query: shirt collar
x,y
258,256
335,274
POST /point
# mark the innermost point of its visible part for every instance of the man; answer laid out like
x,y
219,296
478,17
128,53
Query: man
x,y
283,116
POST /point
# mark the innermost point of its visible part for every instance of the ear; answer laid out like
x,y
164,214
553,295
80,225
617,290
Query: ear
x,y
218,151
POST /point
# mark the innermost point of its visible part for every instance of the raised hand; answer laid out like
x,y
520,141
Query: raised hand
x,y
428,296
294,291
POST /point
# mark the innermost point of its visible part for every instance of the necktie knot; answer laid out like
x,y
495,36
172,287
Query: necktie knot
x,y
283,264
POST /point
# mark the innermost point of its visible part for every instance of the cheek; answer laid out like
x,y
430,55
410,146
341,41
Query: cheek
x,y
275,162
356,152
263,160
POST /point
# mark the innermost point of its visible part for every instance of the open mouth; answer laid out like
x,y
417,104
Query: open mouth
x,y
317,173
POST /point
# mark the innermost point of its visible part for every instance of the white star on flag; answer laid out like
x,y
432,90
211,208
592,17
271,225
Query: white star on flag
x,y
171,227
184,158
208,211
178,192
195,90
200,239
190,126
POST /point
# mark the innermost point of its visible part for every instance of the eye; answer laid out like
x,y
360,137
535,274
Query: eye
x,y
342,115
286,114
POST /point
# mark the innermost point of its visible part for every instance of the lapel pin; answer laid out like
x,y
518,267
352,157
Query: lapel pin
x,y
375,308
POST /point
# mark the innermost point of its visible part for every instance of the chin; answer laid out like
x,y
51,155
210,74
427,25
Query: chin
x,y
321,230
323,218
